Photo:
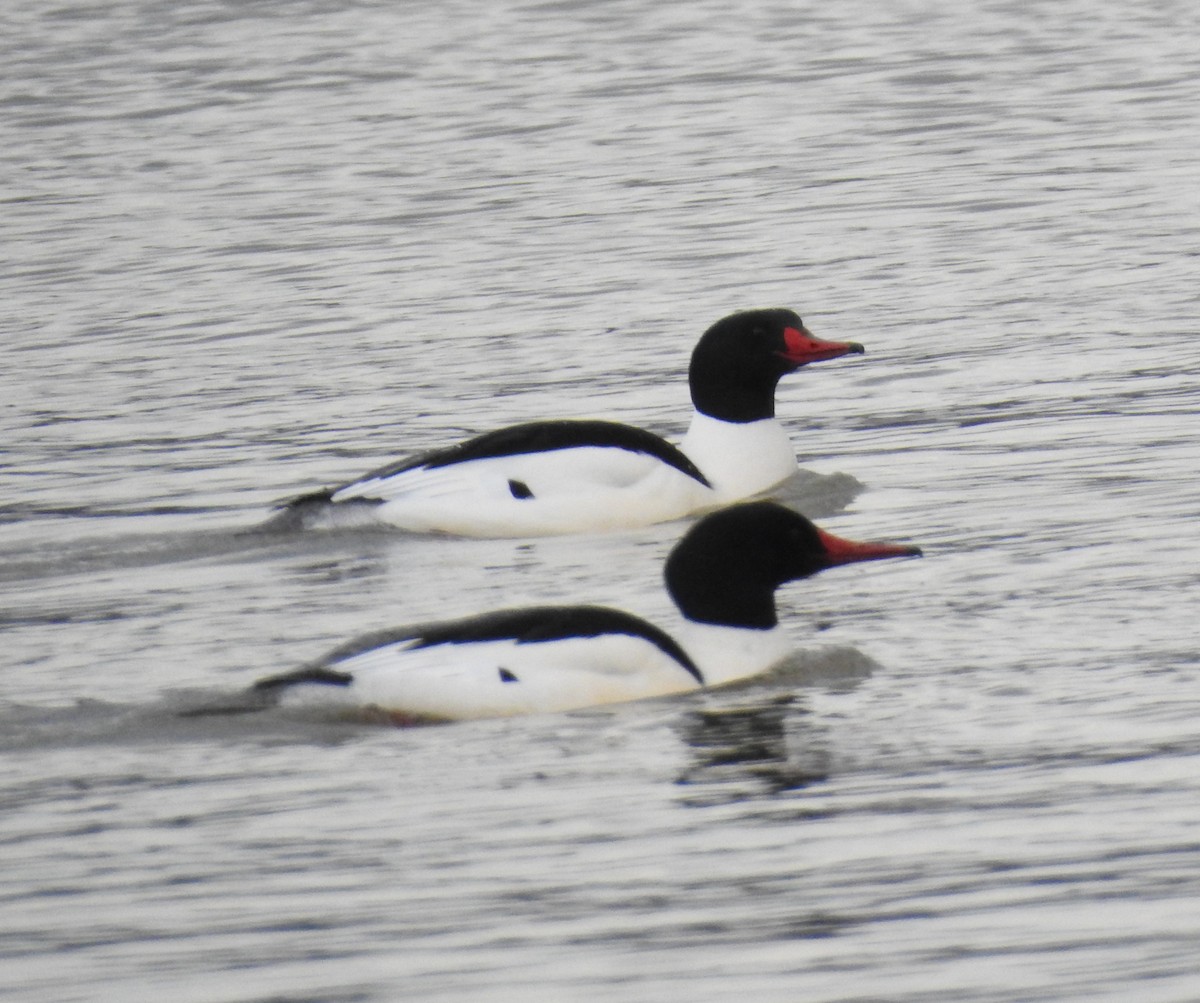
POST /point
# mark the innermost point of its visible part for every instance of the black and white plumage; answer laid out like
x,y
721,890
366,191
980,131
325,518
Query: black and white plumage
x,y
722,576
550,477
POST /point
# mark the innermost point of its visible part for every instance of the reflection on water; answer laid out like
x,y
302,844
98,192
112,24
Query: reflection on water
x,y
744,752
758,741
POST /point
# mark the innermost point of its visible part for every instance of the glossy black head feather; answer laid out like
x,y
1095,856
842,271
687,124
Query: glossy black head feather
x,y
738,362
727,567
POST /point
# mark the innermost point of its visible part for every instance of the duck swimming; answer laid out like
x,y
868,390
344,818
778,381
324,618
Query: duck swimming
x,y
551,477
722,576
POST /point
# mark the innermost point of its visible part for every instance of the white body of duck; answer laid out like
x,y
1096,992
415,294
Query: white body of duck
x,y
553,477
722,576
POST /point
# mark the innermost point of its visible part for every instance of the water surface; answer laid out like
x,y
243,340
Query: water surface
x,y
251,249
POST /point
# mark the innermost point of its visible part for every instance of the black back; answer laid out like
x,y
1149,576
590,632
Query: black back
x,y
531,625
545,436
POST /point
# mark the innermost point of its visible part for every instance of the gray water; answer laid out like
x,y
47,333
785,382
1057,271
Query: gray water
x,y
255,248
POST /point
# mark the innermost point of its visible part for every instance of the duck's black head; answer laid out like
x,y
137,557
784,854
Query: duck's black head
x,y
727,567
738,362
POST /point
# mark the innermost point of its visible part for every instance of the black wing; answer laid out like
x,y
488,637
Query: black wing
x,y
545,436
524,626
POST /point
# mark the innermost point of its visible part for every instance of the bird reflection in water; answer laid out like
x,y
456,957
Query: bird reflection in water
x,y
764,742
752,750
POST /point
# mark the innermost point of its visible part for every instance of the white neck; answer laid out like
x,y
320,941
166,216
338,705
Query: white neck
x,y
739,460
725,654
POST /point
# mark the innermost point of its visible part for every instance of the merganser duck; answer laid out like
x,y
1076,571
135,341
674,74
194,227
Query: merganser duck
x,y
552,477
722,576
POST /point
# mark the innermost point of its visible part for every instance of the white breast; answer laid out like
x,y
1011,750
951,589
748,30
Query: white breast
x,y
740,460
727,654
